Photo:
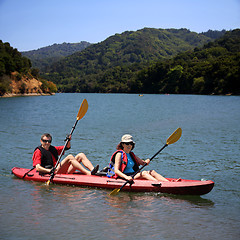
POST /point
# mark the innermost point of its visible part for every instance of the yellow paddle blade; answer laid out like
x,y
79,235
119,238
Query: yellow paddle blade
x,y
174,137
82,110
114,192
48,182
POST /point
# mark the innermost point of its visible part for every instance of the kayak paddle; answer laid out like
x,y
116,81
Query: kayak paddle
x,y
82,111
172,139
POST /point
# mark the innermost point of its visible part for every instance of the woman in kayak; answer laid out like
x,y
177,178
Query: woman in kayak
x,y
45,157
125,163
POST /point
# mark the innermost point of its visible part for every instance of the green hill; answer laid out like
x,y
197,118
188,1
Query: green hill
x,y
211,69
47,55
109,66
17,76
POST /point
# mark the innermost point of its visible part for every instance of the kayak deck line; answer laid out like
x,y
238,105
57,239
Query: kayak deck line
x,y
109,181
183,187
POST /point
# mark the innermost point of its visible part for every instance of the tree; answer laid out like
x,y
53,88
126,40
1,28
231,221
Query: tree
x,y
198,85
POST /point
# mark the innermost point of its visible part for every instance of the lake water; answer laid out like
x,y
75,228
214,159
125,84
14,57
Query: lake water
x,y
209,148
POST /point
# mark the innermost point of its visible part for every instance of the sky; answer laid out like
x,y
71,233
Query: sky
x,y
32,24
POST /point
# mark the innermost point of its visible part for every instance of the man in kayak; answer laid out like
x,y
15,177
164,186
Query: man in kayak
x,y
125,163
45,157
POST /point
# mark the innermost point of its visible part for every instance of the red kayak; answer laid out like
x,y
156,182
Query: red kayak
x,y
182,187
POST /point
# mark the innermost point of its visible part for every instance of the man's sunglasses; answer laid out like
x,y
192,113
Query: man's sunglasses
x,y
45,141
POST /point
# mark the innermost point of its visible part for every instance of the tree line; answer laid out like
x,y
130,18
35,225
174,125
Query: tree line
x,y
112,65
212,69
127,63
174,61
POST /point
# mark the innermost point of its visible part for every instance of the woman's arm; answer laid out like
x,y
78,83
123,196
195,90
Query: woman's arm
x,y
142,162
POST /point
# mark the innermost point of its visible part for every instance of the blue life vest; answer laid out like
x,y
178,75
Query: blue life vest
x,y
124,161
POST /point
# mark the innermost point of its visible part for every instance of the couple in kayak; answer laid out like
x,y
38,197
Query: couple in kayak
x,y
124,163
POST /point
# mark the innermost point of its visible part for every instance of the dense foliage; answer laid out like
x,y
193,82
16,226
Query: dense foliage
x,y
212,69
145,61
45,56
214,34
11,60
110,66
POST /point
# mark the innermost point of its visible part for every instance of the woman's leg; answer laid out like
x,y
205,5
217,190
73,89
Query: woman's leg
x,y
151,175
145,175
157,176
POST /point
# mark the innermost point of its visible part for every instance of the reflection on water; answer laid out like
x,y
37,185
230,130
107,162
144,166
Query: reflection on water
x,y
120,201
195,200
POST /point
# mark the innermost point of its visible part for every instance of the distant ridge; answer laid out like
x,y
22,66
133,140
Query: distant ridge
x,y
108,65
44,56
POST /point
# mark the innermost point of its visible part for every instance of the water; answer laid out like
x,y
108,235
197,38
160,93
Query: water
x,y
208,148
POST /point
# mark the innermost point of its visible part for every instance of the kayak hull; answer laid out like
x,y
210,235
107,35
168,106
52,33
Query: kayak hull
x,y
183,187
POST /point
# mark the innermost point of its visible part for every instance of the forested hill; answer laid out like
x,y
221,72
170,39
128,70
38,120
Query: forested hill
x,y
212,69
45,56
109,65
17,76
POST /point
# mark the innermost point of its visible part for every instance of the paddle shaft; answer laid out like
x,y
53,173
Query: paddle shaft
x,y
145,164
60,156
27,172
66,143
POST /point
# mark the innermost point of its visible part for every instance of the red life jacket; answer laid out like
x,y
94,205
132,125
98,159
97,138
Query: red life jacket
x,y
124,161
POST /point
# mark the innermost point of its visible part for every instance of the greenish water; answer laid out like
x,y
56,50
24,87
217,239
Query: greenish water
x,y
209,149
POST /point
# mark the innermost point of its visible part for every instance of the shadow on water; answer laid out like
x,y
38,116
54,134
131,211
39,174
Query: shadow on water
x,y
196,200
170,198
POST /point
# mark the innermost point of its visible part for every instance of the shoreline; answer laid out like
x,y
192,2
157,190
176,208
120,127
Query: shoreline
x,y
6,95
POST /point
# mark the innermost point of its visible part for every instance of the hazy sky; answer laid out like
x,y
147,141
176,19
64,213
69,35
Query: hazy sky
x,y
32,24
